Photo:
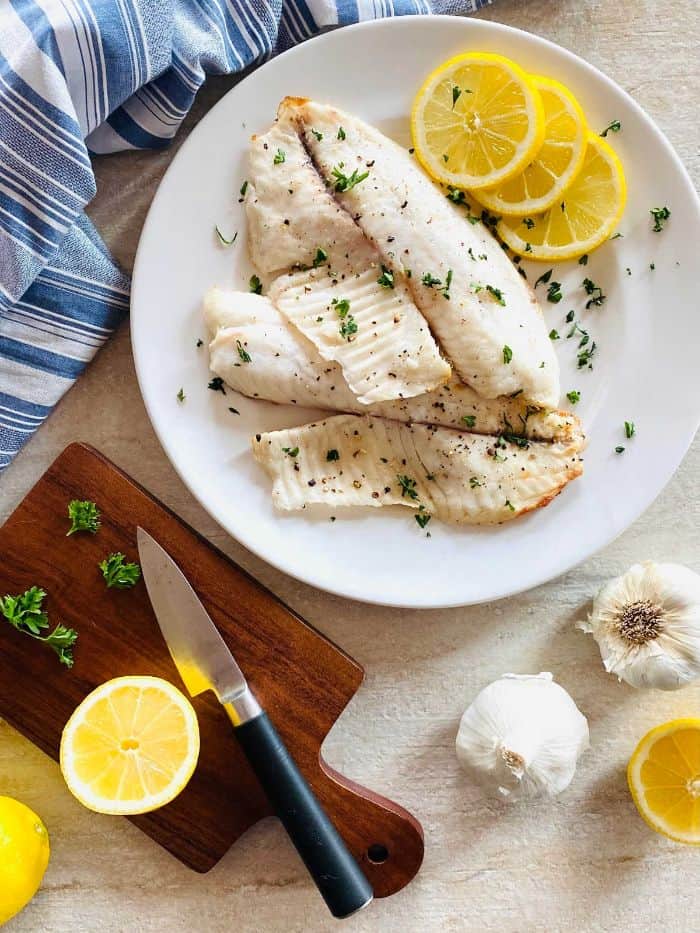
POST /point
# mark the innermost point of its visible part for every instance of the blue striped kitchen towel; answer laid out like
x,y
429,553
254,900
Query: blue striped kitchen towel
x,y
96,76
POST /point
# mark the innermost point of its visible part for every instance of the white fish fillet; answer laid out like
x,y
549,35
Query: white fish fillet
x,y
414,227
351,460
376,333
287,369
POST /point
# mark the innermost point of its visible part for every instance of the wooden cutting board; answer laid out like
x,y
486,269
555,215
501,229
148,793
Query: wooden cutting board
x,y
301,678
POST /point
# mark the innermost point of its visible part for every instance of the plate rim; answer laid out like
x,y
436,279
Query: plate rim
x,y
309,578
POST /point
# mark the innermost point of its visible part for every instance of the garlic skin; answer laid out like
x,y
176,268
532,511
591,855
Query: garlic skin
x,y
647,625
522,736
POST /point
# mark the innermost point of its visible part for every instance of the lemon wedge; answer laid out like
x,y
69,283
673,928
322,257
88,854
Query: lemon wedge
x,y
24,855
588,213
664,777
477,120
131,746
543,181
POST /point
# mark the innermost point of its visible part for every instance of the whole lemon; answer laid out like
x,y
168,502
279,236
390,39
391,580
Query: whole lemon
x,y
24,855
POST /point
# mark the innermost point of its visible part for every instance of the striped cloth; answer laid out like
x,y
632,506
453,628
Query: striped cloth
x,y
96,76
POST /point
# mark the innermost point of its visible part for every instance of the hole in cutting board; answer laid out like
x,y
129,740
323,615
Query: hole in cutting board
x,y
377,853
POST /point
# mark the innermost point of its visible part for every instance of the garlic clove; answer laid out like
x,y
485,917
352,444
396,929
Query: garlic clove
x,y
647,625
522,736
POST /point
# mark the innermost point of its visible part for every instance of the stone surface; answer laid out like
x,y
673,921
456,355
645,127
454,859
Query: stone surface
x,y
584,862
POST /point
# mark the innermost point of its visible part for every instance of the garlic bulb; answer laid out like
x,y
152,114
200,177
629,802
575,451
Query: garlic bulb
x,y
647,625
522,736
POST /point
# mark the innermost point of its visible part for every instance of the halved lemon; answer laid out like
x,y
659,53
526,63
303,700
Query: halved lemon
x,y
585,217
544,180
477,120
131,746
664,777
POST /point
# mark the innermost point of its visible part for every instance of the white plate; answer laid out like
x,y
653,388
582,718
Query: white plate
x,y
648,331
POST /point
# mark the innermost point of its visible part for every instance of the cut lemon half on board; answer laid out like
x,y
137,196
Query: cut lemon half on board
x,y
585,217
664,778
543,181
477,120
131,746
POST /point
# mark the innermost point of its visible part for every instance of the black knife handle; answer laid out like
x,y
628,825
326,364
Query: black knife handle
x,y
336,873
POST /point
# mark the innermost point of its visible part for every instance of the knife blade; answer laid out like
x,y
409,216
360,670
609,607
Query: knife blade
x,y
205,663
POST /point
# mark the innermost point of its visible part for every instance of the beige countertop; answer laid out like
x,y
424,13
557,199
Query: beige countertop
x,y
583,862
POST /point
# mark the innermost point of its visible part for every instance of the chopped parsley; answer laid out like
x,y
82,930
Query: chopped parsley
x,y
25,613
585,356
583,260
497,294
456,195
345,182
181,395
507,354
474,482
554,335
292,452
332,455
320,257
84,515
445,158
574,396
430,280
660,215
217,385
652,266
408,487
341,133
118,572
386,279
422,517
348,324
469,420
619,450
596,292
456,94
554,292
445,290
570,316
529,222
244,188
509,505
629,429
544,278
279,158
614,127
617,236
222,238
255,285
319,136
243,353
234,411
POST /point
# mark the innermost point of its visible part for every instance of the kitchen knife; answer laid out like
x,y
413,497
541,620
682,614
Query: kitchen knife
x,y
205,663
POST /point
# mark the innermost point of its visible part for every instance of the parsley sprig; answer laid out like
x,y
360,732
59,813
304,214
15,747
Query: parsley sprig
x,y
25,613
660,215
84,516
118,572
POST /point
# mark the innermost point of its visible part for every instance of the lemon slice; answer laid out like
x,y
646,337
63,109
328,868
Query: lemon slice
x,y
585,217
544,180
131,746
664,778
476,120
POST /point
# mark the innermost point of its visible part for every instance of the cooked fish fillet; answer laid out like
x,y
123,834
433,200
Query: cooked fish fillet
x,y
484,315
376,333
287,369
290,211
351,460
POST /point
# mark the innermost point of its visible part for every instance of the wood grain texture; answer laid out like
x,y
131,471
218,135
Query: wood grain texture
x,y
300,678
583,863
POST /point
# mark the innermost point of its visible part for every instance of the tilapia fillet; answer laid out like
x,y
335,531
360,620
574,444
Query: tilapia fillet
x,y
332,290
351,460
287,369
484,316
